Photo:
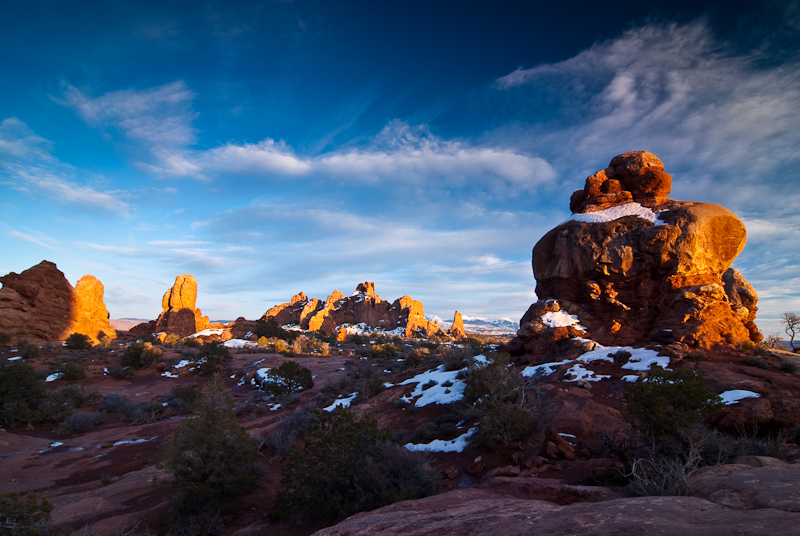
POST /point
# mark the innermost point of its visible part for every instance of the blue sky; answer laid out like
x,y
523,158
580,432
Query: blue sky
x,y
269,148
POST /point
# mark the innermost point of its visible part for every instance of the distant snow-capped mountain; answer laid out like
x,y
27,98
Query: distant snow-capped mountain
x,y
485,326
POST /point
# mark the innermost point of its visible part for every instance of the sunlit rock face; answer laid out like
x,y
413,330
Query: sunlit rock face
x,y
90,313
364,306
179,314
638,267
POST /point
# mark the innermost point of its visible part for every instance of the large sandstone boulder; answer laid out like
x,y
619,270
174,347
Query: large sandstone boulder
x,y
40,305
457,328
364,306
90,313
179,314
636,267
36,304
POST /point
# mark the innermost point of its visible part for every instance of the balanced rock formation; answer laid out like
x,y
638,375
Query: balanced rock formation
x,y
90,313
637,267
179,314
457,328
364,306
40,305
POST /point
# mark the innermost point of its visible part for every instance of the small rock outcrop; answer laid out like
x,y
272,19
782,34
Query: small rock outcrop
x,y
457,328
90,313
364,306
637,267
179,314
40,305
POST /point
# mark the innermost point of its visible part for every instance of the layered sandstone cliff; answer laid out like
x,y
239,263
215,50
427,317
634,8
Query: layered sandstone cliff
x,y
637,267
364,306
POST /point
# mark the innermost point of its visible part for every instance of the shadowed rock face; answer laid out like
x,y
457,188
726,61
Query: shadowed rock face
x,y
364,306
637,267
179,314
36,304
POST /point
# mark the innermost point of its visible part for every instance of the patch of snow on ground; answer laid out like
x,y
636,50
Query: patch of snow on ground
x,y
481,359
615,213
439,445
436,394
132,441
344,402
15,358
238,343
641,358
182,364
169,374
735,395
546,368
580,373
561,319
207,332
53,377
631,378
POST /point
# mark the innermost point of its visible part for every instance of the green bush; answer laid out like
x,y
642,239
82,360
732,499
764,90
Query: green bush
x,y
78,341
209,457
670,401
495,397
29,516
27,350
347,466
271,329
61,402
70,370
213,353
289,377
19,390
141,355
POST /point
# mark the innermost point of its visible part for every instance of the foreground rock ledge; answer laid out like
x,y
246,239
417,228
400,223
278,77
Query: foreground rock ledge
x,y
478,512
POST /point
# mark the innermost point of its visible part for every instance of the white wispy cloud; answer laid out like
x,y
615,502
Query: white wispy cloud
x,y
27,165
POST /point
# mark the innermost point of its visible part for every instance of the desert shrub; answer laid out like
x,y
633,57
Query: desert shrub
x,y
457,358
347,466
662,475
756,361
19,390
140,355
670,401
209,457
620,357
120,404
280,347
383,351
29,516
191,343
105,341
424,431
495,397
788,366
78,422
5,341
78,341
271,329
215,353
60,402
70,370
187,393
289,377
427,385
298,345
283,437
118,372
172,339
262,342
27,350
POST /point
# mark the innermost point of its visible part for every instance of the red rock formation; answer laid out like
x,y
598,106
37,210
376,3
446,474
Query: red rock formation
x,y
658,274
90,313
40,305
179,314
37,304
364,306
457,328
